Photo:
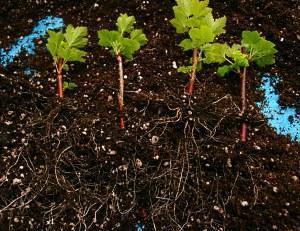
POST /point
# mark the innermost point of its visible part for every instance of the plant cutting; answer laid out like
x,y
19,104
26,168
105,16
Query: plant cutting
x,y
66,47
194,19
253,49
123,42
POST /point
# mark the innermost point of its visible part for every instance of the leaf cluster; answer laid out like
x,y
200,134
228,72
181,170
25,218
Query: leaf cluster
x,y
253,49
125,40
65,47
195,18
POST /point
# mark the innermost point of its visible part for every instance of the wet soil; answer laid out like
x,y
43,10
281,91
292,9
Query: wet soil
x,y
65,165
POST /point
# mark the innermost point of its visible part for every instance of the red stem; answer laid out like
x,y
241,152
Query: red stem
x,y
59,79
193,74
243,132
121,91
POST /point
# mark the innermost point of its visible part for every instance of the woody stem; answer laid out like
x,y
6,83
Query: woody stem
x,y
243,75
193,74
59,66
121,91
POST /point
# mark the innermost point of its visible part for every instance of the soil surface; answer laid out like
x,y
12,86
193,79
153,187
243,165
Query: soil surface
x,y
65,165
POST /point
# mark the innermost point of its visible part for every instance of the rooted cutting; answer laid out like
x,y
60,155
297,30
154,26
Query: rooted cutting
x,y
122,42
66,47
194,18
253,49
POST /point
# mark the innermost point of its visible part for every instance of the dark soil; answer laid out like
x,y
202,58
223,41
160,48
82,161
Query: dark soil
x,y
65,165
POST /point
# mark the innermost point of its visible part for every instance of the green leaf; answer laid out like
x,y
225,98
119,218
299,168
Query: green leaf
x,y
129,47
200,8
216,25
224,70
185,69
219,25
186,6
69,85
260,50
265,60
250,37
263,53
180,22
193,7
107,38
54,42
240,60
188,14
138,36
186,44
201,36
179,26
125,23
72,54
216,53
76,37
235,49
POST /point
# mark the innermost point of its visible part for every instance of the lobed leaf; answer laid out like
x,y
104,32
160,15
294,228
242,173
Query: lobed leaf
x,y
125,23
76,37
216,53
138,36
129,47
107,38
186,6
201,36
224,70
70,54
186,44
200,8
180,22
261,51
250,38
219,25
193,7
54,42
188,14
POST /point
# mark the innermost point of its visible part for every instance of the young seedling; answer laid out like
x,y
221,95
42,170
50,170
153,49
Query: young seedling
x,y
253,49
194,19
123,42
66,47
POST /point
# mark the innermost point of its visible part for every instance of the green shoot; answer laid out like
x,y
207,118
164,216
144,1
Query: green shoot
x,y
66,47
69,86
194,19
253,49
125,41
